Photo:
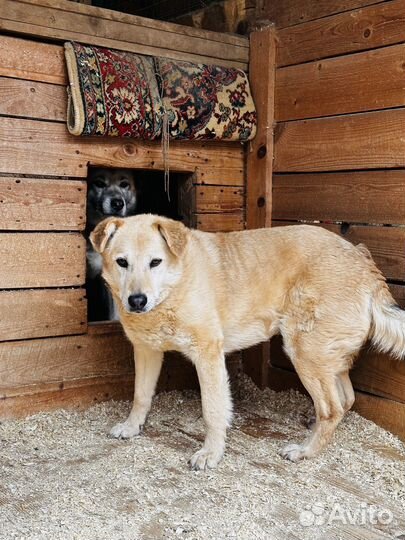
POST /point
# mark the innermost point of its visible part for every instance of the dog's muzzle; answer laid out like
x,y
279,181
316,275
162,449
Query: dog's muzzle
x,y
117,204
137,302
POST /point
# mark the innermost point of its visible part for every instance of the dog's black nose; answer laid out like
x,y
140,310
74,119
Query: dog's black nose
x,y
137,301
117,204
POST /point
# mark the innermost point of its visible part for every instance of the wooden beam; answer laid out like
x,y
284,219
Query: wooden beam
x,y
96,26
260,150
28,314
374,140
260,164
358,30
29,260
353,83
363,197
46,148
166,28
37,204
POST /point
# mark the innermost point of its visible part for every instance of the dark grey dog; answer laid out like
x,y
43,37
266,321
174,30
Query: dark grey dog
x,y
111,192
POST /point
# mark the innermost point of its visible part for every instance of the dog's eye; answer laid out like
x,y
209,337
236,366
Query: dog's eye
x,y
155,262
124,184
122,262
99,183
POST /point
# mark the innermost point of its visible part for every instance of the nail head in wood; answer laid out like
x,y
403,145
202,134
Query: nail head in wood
x,y
261,201
262,151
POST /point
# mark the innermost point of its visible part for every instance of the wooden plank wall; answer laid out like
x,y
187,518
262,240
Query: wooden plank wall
x,y
340,142
49,357
98,26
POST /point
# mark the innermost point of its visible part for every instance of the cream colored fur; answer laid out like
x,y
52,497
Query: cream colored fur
x,y
216,293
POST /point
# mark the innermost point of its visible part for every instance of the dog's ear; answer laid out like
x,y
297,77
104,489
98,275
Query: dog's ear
x,y
175,234
103,233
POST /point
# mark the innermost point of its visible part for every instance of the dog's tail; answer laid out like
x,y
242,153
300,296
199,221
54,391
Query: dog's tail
x,y
388,323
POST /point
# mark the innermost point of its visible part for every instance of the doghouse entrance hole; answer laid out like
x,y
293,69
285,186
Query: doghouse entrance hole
x,y
173,200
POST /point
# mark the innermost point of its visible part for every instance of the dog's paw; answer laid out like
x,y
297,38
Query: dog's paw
x,y
126,430
310,422
293,452
205,459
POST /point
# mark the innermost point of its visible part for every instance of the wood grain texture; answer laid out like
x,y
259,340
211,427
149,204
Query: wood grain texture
x,y
54,360
30,99
221,177
386,244
100,27
362,197
358,30
166,28
219,222
29,260
30,314
398,293
387,413
46,148
73,394
221,199
353,83
76,371
259,166
294,12
372,140
379,374
36,204
82,393
32,60
260,151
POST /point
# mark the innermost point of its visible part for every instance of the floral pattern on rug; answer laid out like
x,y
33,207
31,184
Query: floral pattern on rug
x,y
206,102
112,93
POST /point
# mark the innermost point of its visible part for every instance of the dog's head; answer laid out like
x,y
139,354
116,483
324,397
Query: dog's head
x,y
111,192
142,258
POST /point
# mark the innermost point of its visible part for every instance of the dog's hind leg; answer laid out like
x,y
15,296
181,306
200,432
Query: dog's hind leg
x,y
216,405
148,364
346,391
325,390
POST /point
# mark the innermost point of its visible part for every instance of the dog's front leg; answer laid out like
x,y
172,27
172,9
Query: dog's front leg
x,y
148,364
216,404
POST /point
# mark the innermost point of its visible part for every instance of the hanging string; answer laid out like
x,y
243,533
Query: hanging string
x,y
165,151
165,143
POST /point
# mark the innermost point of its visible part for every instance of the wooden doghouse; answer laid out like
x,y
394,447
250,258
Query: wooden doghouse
x,y
333,87
49,355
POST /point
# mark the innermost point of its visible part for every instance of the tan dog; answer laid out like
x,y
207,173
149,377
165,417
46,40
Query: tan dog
x,y
208,294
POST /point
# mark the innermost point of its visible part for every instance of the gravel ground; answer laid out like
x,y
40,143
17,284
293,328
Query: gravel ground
x,y
62,478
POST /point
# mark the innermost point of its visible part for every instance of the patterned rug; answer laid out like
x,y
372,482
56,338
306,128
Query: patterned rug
x,y
122,94
206,102
112,93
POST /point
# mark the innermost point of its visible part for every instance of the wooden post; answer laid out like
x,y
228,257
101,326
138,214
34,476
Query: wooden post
x,y
262,65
